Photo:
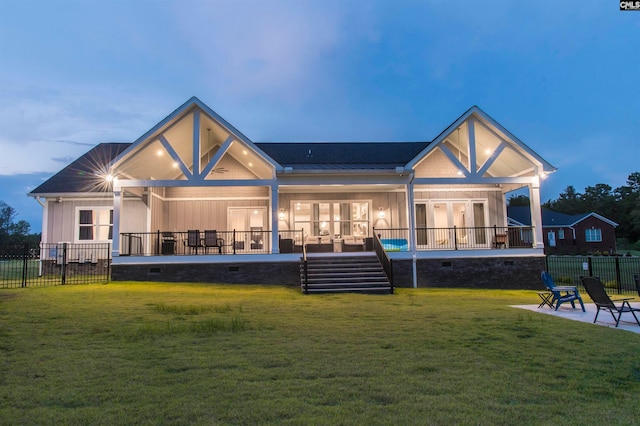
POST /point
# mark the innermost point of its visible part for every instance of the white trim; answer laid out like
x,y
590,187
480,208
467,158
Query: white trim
x,y
458,189
188,183
197,154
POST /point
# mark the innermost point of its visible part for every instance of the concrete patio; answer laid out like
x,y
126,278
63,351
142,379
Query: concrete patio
x,y
604,319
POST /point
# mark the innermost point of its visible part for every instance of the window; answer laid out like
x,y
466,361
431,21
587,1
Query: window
x,y
95,224
332,218
561,234
593,235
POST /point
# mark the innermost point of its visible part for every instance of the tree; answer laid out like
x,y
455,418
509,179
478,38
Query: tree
x,y
519,201
622,205
569,202
14,232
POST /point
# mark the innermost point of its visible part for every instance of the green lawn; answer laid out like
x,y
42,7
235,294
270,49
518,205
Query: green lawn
x,y
151,353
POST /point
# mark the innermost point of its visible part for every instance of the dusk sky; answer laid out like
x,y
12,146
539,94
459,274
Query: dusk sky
x,y
564,77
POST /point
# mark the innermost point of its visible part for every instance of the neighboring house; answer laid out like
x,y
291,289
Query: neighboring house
x,y
570,234
438,207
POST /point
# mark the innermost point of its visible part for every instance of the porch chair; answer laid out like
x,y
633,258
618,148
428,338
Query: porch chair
x,y
598,294
561,294
193,240
211,240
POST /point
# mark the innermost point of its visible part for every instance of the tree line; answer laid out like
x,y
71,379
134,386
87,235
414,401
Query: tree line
x,y
621,205
12,232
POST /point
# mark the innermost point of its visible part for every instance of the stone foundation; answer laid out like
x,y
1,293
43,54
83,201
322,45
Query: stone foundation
x,y
499,272
515,273
280,273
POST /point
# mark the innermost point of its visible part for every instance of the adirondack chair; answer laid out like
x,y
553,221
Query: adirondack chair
x,y
598,294
561,294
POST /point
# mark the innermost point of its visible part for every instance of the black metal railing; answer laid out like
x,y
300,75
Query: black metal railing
x,y
457,238
199,242
615,272
385,260
49,264
305,270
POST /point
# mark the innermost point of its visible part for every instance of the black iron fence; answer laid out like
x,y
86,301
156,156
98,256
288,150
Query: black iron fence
x,y
196,242
457,238
25,265
615,272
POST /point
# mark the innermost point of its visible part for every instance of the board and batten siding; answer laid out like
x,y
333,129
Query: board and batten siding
x,y
495,201
182,215
62,217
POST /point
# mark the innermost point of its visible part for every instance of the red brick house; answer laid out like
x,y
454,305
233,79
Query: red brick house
x,y
570,234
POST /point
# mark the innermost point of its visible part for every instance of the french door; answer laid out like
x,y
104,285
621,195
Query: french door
x,y
250,226
451,223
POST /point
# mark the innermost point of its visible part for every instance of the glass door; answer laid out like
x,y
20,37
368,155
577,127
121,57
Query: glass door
x,y
449,224
250,226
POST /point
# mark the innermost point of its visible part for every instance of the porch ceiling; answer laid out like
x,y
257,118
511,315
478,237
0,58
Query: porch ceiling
x,y
169,153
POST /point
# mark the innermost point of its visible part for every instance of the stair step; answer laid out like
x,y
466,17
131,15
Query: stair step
x,y
342,274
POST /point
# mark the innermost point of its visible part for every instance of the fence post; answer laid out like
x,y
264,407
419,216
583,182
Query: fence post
x,y
63,268
25,255
590,266
234,240
455,238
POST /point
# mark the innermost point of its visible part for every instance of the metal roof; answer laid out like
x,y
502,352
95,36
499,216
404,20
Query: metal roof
x,y
342,155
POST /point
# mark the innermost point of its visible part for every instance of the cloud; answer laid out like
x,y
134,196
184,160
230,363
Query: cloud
x,y
254,49
40,124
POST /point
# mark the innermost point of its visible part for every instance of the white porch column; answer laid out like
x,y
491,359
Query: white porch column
x,y
115,233
412,229
536,213
273,216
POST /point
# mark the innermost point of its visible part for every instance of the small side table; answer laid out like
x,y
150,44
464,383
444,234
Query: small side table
x,y
546,297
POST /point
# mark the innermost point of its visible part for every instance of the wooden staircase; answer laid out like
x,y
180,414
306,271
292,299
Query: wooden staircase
x,y
344,274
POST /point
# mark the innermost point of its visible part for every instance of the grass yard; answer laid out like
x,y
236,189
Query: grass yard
x,y
152,353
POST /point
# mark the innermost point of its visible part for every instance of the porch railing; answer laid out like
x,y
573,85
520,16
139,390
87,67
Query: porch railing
x,y
198,242
457,238
385,260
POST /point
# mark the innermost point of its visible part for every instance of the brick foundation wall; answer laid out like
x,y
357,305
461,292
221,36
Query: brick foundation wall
x,y
281,273
500,273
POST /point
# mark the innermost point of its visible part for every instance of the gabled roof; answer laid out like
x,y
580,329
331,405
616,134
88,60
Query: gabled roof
x,y
550,218
476,112
342,155
86,174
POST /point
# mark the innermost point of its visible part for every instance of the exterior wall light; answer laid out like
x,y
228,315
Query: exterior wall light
x,y
380,213
281,214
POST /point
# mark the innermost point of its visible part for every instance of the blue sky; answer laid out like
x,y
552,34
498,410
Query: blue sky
x,y
561,76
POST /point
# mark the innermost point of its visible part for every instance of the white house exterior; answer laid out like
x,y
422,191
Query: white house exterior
x,y
424,201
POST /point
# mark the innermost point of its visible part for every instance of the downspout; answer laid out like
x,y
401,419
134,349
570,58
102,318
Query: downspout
x,y
38,201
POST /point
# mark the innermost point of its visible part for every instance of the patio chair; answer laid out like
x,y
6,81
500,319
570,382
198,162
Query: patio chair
x,y
211,240
561,294
636,278
193,240
598,294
